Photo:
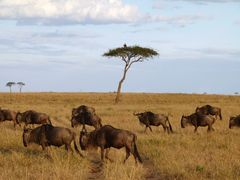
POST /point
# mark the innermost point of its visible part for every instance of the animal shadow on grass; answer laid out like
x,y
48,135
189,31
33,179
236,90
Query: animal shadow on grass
x,y
25,152
96,166
153,173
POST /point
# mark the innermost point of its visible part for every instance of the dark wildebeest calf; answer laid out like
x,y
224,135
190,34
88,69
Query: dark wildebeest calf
x,y
151,119
8,115
33,117
210,110
234,121
48,135
85,115
197,120
107,137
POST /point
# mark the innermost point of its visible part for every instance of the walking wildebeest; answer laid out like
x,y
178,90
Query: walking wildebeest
x,y
234,121
85,115
48,135
8,115
197,120
210,110
107,137
33,117
151,119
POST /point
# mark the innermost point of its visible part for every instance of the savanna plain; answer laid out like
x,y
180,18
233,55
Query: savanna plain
x,y
181,155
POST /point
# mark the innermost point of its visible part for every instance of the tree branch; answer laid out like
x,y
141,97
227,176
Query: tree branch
x,y
140,59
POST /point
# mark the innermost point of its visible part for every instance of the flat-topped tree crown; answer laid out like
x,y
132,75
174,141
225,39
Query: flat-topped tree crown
x,y
130,55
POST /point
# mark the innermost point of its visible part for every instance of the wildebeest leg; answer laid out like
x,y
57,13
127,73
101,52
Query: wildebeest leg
x,y
210,128
127,153
102,153
165,128
195,130
43,146
106,155
150,128
68,147
146,128
133,153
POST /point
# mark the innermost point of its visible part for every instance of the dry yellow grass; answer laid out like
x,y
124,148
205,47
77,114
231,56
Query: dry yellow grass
x,y
182,155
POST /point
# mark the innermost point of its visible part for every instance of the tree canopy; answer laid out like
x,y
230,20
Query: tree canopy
x,y
134,53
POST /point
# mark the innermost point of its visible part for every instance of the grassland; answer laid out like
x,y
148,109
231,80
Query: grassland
x,y
182,155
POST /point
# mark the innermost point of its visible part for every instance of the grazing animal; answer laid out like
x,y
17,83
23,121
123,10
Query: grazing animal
x,y
210,110
151,119
48,135
33,117
82,109
234,121
197,120
8,115
107,137
85,115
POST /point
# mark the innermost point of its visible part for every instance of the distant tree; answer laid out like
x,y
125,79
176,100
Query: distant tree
x,y
10,84
20,84
129,55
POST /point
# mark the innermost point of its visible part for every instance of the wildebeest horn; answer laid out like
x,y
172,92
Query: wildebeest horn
x,y
135,114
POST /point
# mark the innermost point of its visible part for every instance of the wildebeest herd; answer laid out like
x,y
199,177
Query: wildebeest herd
x,y
104,136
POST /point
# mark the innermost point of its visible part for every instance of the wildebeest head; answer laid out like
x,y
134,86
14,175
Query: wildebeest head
x,y
74,121
19,117
84,139
26,136
139,115
184,121
231,121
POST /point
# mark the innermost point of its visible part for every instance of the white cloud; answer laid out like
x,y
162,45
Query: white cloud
x,y
205,1
50,12
181,20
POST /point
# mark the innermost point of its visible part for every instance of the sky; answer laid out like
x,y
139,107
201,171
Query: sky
x,y
57,45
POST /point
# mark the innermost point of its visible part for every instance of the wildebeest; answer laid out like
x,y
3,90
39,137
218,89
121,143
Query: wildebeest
x,y
8,115
197,120
151,119
234,121
33,117
107,137
85,115
210,110
48,135
82,109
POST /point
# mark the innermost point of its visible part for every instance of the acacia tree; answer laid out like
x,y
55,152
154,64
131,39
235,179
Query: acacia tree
x,y
10,84
20,84
129,55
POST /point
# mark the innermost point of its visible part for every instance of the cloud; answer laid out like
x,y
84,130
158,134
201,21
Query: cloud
x,y
181,20
202,1
62,12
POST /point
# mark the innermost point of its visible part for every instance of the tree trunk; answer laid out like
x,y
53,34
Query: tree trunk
x,y
120,85
20,89
10,89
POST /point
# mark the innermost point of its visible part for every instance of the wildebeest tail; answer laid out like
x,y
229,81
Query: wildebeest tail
x,y
136,150
170,126
75,146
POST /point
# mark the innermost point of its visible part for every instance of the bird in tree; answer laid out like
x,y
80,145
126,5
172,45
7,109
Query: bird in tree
x,y
129,55
10,84
20,84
